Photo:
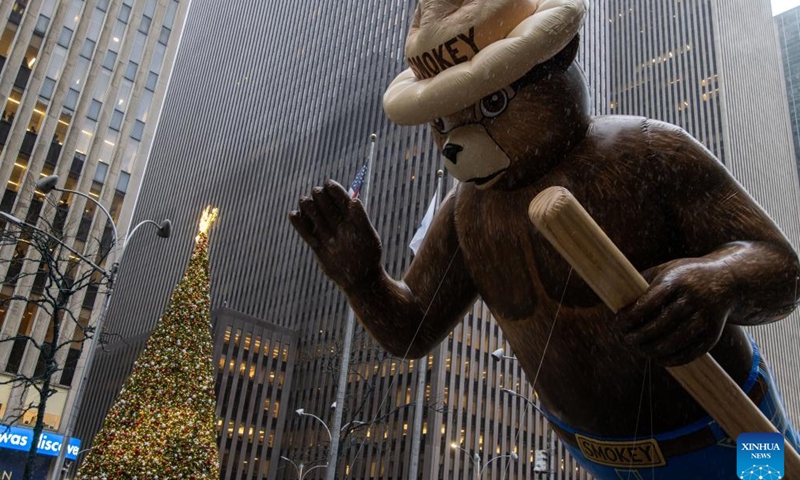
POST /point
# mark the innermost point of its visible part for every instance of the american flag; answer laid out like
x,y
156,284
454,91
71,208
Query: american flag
x,y
355,189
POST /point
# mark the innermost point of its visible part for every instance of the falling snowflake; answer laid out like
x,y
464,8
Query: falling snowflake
x,y
760,472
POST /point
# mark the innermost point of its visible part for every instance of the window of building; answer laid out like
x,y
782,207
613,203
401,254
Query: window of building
x,y
122,183
71,99
102,5
65,37
93,32
116,35
116,120
144,25
64,120
52,412
105,149
152,79
48,7
41,25
149,8
6,39
138,130
94,110
130,72
169,17
124,13
80,70
56,62
47,88
100,173
158,56
145,101
137,50
5,392
110,60
129,156
101,85
69,365
18,347
85,137
73,14
163,38
88,48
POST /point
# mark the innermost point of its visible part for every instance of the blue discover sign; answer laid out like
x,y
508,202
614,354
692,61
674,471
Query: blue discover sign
x,y
18,438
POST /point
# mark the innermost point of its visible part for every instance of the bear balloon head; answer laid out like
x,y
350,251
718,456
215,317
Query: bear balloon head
x,y
511,137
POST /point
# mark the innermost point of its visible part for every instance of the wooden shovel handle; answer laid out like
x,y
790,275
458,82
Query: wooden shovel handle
x,y
576,236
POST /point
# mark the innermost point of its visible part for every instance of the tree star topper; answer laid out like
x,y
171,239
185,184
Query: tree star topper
x,y
207,219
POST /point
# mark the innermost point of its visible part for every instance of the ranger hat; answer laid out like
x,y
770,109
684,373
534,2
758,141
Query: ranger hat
x,y
459,51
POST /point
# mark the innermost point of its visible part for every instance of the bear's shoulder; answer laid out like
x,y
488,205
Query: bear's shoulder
x,y
636,148
636,135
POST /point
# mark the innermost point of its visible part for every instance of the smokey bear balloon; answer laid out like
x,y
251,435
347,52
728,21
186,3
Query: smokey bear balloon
x,y
509,112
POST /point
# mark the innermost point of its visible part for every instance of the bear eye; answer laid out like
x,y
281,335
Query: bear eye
x,y
494,104
442,125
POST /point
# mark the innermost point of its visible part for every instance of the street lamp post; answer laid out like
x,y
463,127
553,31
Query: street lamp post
x,y
46,185
536,407
500,354
476,459
302,413
296,467
511,455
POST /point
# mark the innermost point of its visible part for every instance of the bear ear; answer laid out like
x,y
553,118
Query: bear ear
x,y
566,56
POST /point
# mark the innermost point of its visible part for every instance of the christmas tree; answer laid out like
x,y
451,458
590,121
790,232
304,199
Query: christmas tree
x,y
163,423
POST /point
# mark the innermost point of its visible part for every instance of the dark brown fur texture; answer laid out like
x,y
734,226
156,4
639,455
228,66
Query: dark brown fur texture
x,y
715,259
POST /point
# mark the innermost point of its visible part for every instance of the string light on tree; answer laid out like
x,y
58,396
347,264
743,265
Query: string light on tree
x,y
163,423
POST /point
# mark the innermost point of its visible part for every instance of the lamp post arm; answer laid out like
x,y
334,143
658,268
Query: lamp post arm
x,y
324,465
483,468
530,402
299,472
465,451
330,437
132,231
473,457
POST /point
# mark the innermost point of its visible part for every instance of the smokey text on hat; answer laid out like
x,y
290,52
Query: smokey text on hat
x,y
445,55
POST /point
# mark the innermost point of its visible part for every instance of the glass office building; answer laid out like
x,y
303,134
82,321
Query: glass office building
x,y
82,83
788,24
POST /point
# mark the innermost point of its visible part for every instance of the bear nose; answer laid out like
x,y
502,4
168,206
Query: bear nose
x,y
450,151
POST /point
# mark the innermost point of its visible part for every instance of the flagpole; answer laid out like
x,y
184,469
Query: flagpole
x,y
422,371
347,345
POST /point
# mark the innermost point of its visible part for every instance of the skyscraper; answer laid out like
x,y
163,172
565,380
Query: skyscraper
x,y
788,24
259,113
82,84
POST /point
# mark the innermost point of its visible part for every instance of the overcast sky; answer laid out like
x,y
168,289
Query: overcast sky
x,y
780,6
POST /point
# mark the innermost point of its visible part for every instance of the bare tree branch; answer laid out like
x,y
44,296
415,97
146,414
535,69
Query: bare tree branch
x,y
44,281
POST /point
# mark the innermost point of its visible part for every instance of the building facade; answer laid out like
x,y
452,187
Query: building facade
x,y
82,83
255,369
258,114
788,24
